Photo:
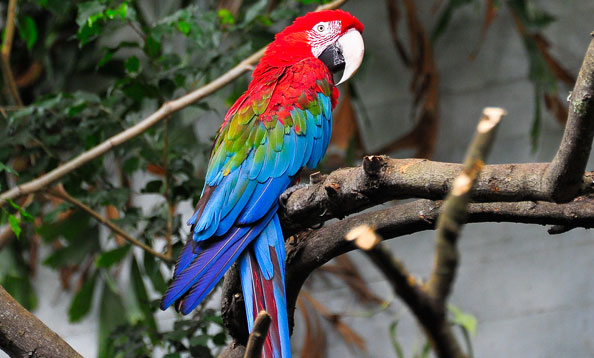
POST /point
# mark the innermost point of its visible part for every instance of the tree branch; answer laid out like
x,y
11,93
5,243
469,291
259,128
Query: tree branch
x,y
258,336
166,110
23,335
311,249
110,225
428,311
9,81
562,179
380,179
453,215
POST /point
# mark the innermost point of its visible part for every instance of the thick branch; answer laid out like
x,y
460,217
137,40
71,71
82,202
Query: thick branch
x,y
563,177
23,335
380,179
313,248
166,110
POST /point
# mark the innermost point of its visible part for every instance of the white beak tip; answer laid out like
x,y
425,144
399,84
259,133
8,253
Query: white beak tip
x,y
353,49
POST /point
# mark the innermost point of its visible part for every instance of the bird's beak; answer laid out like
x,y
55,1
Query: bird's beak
x,y
353,49
346,53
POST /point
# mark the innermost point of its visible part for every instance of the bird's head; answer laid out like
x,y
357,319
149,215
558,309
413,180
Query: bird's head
x,y
333,36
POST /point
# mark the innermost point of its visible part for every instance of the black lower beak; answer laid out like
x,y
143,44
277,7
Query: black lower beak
x,y
332,58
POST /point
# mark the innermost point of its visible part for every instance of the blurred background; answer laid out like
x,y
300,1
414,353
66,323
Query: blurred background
x,y
84,71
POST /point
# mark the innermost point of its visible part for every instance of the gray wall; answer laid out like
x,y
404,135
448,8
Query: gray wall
x,y
532,294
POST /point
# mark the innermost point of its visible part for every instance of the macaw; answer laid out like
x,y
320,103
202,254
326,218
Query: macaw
x,y
281,124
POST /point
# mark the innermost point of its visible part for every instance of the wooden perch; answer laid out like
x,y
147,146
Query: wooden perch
x,y
23,335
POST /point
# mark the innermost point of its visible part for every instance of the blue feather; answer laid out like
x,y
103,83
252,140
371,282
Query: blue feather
x,y
265,195
188,255
269,270
299,148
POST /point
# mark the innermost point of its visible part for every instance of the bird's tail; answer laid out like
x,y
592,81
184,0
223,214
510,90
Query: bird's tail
x,y
202,264
262,269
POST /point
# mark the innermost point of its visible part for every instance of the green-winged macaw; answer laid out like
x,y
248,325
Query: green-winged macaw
x,y
281,124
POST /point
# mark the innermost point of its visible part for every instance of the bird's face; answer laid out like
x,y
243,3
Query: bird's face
x,y
333,36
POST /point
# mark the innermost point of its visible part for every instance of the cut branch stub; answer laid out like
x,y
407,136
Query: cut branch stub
x,y
258,336
372,164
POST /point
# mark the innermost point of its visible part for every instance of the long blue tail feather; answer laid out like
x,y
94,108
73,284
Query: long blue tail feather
x,y
262,268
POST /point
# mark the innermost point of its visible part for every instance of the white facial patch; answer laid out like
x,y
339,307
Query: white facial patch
x,y
322,35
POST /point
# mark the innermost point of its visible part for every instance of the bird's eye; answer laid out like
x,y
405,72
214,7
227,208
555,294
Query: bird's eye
x,y
320,28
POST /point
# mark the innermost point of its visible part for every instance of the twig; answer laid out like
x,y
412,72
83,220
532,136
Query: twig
x,y
404,284
23,335
110,225
430,314
563,178
258,336
453,214
9,81
164,111
170,208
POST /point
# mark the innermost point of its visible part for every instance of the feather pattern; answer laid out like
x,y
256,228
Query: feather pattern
x,y
280,125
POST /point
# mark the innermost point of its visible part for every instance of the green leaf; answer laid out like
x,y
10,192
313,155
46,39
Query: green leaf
x,y
71,229
220,339
82,302
15,225
464,320
226,17
24,214
6,168
105,59
76,252
536,122
199,340
183,27
152,47
132,64
28,31
111,315
20,288
121,11
446,16
533,17
131,165
151,267
109,258
141,293
255,10
88,12
394,340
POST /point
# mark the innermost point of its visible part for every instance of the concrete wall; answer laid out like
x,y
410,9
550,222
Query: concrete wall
x,y
532,294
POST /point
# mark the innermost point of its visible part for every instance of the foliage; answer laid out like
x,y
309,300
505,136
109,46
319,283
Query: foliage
x,y
104,65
